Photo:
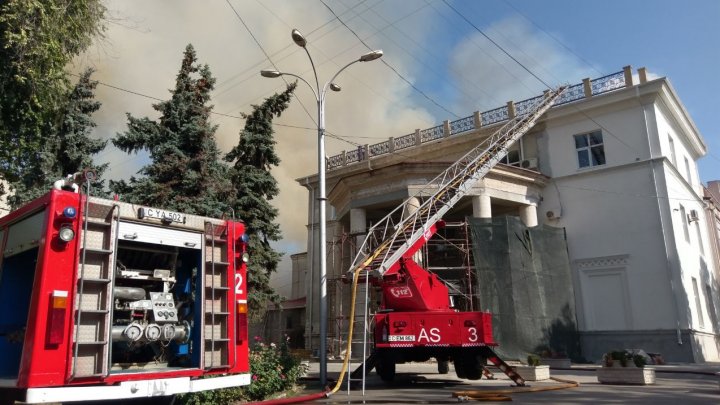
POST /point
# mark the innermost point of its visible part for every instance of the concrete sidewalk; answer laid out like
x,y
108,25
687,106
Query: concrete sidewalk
x,y
419,383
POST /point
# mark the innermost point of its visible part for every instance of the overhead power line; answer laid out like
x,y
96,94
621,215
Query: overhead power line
x,y
389,66
159,99
267,56
496,44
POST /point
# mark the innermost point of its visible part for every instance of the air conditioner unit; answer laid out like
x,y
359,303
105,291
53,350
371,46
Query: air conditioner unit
x,y
693,216
529,163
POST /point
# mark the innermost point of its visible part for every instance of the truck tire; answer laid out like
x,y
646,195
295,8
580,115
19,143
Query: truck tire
x,y
443,366
386,369
468,367
459,368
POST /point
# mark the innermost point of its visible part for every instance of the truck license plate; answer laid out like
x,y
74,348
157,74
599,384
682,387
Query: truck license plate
x,y
161,214
401,338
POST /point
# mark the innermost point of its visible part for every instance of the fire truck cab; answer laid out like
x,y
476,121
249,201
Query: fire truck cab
x,y
102,299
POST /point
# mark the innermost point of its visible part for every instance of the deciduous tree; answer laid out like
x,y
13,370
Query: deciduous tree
x,y
37,40
67,148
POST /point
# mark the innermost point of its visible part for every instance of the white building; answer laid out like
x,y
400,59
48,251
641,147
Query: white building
x,y
614,164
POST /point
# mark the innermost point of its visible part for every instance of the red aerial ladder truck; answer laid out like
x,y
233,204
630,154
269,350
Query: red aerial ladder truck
x,y
103,299
415,320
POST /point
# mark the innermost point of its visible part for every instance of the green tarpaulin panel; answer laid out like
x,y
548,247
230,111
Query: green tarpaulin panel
x,y
524,278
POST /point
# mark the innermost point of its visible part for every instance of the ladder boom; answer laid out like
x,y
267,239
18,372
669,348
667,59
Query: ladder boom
x,y
392,238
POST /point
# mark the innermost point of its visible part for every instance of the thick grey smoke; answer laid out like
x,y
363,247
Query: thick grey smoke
x,y
145,40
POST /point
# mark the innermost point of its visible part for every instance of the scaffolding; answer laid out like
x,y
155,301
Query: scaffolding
x,y
448,254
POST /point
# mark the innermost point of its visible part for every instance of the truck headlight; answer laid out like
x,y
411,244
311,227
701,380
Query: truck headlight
x,y
66,233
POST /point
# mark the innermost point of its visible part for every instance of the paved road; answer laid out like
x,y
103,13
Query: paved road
x,y
419,383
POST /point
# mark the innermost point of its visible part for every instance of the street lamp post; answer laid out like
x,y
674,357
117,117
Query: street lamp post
x,y
319,94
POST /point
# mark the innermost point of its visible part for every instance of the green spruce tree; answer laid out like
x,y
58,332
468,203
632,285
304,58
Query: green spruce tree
x,y
38,38
68,148
185,173
252,159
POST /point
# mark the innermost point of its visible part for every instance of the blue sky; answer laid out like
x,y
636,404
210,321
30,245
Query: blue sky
x,y
437,66
676,39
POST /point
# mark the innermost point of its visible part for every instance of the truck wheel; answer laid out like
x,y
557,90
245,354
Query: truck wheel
x,y
386,370
443,366
459,368
468,367
473,371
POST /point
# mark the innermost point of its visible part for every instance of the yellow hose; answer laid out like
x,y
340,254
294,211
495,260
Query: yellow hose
x,y
346,360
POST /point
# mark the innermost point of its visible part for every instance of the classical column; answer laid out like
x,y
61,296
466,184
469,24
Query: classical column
x,y
528,215
481,206
412,206
358,226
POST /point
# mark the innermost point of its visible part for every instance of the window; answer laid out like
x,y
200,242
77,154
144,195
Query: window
x,y
590,149
698,307
699,236
687,171
684,219
514,155
672,150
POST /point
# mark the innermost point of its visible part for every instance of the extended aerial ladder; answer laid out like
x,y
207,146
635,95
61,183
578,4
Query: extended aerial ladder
x,y
390,244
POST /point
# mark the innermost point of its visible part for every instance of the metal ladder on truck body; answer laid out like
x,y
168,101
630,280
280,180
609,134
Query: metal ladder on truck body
x,y
216,317
93,310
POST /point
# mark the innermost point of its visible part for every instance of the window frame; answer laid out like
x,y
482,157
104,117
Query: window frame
x,y
673,158
686,225
588,149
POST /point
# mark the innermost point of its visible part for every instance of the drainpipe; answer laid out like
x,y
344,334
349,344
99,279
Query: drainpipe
x,y
663,226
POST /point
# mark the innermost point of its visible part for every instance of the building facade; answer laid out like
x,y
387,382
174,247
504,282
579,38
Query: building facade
x,y
613,163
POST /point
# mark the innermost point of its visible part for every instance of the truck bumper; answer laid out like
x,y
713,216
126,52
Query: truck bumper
x,y
133,389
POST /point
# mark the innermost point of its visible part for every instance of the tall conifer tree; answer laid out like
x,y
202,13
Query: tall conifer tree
x,y
185,173
253,159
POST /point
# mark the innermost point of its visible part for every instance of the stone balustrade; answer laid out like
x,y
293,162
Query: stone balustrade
x,y
587,89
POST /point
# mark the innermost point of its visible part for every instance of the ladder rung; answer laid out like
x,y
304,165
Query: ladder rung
x,y
217,288
219,366
98,251
97,222
93,311
95,280
216,263
218,340
91,343
217,313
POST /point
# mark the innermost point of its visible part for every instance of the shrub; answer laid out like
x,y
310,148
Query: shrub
x,y
623,357
533,360
273,368
639,360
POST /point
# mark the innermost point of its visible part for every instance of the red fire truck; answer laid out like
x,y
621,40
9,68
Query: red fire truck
x,y
103,299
